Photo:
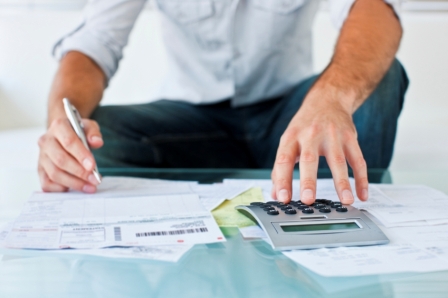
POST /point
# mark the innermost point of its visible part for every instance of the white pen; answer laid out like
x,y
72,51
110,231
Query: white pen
x,y
76,122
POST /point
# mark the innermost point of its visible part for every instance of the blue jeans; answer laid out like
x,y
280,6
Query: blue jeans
x,y
174,134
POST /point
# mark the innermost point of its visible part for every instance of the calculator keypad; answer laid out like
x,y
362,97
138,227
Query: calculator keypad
x,y
321,205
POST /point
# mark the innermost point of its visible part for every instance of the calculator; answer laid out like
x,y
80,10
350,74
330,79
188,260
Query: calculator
x,y
323,224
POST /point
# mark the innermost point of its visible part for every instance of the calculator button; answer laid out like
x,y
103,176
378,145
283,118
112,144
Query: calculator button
x,y
285,207
290,211
257,204
325,210
320,200
272,203
318,205
335,204
268,208
301,207
341,209
328,202
273,212
308,211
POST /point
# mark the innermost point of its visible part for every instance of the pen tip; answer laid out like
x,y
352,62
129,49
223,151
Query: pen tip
x,y
97,176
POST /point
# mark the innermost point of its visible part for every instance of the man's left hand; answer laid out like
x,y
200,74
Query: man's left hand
x,y
322,127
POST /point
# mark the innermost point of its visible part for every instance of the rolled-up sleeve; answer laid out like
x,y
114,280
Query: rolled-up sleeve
x,y
103,32
339,10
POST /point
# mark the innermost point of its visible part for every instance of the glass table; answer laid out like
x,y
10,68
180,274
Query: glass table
x,y
236,268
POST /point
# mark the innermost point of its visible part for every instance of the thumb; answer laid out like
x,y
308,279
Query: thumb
x,y
93,134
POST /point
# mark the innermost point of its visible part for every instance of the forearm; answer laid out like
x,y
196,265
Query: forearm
x,y
364,52
81,80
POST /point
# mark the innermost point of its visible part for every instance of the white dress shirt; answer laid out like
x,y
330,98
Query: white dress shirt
x,y
245,50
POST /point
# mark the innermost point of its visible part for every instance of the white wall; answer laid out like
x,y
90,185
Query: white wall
x,y
26,70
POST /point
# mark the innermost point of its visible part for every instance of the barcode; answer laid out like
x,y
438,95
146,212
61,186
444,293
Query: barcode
x,y
175,232
117,233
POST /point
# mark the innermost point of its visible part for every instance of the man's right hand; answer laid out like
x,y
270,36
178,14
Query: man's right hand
x,y
64,162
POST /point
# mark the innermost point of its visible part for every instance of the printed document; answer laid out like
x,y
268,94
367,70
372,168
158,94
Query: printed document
x,y
368,260
412,249
125,187
213,195
166,253
433,239
414,205
96,222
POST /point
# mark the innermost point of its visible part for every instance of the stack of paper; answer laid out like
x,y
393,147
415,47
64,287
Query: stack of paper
x,y
414,205
162,220
153,219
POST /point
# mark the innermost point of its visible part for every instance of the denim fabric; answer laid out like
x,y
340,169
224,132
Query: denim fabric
x,y
177,134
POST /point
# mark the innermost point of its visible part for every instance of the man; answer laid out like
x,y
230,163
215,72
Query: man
x,y
239,94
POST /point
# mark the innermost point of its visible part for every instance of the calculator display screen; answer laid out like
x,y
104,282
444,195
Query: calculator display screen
x,y
319,227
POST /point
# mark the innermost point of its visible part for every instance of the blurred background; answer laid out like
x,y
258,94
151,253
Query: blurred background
x,y
29,29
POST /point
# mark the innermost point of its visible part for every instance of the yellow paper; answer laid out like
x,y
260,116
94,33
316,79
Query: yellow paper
x,y
227,216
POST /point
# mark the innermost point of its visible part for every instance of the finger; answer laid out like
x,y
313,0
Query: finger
x,y
358,164
282,172
48,185
62,178
273,193
338,166
93,133
66,162
68,139
308,164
